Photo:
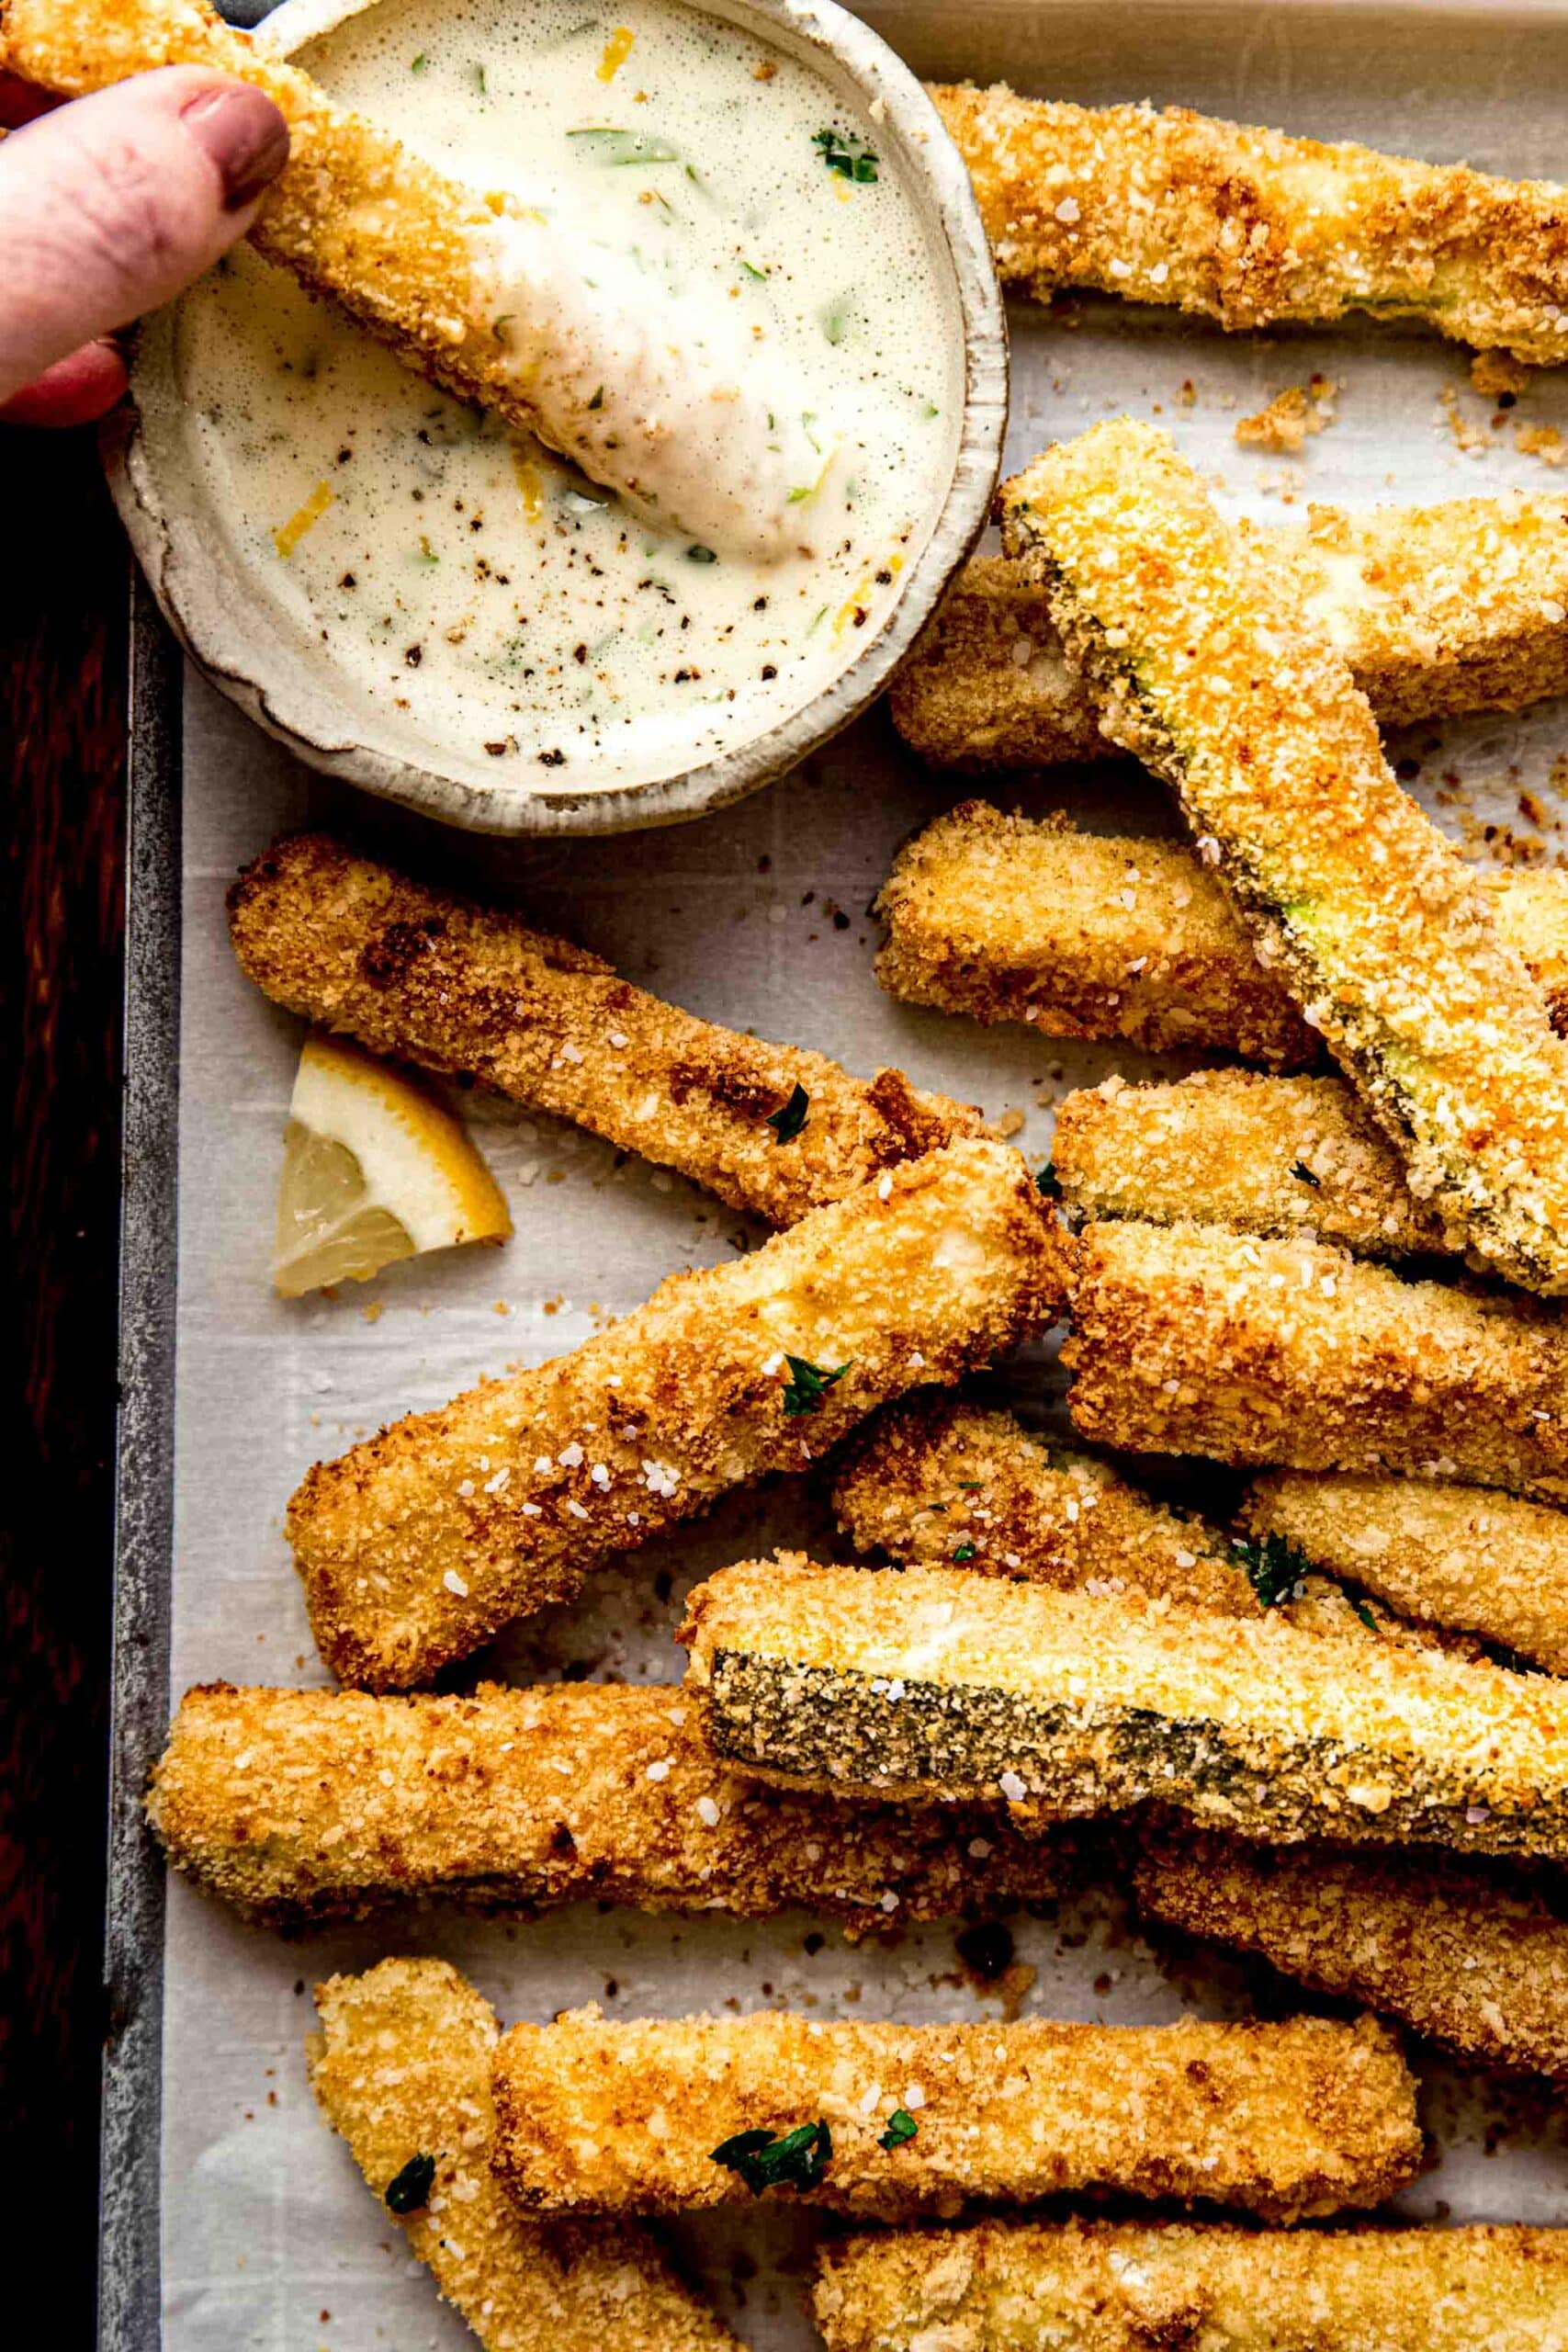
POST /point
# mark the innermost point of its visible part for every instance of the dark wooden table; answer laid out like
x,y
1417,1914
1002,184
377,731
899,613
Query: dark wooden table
x,y
63,689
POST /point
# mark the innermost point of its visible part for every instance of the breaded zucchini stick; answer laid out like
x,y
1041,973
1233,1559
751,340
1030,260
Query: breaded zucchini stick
x,y
935,1683
1447,1948
1015,919
1437,609
1251,227
418,1545
1447,1556
401,2069
1104,2286
426,976
475,289
1278,1156
1370,918
1189,1339
299,1805
1304,2117
934,1482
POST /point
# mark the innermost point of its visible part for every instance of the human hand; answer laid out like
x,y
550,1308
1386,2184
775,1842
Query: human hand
x,y
107,208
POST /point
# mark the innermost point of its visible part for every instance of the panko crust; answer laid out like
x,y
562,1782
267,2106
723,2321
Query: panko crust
x,y
1306,2117
419,1545
1011,918
297,1806
1370,918
935,1683
1438,610
1190,1338
1449,1948
424,976
1250,226
1100,2286
1491,1564
401,2068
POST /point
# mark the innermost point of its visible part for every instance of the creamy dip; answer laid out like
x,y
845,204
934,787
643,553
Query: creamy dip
x,y
721,222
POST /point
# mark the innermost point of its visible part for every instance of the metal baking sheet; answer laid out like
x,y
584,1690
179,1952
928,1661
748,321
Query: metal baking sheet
x,y
231,2218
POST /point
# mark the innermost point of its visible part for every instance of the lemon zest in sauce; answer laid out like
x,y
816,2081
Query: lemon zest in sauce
x,y
288,538
617,49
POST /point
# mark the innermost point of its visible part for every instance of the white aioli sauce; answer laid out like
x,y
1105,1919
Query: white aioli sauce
x,y
694,238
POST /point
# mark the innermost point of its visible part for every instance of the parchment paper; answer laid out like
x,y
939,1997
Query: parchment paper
x,y
758,918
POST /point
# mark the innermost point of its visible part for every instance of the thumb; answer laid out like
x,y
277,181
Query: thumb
x,y
110,205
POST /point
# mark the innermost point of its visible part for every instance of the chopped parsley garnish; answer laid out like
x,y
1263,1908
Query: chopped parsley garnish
x,y
787,1121
1306,1176
410,2189
1049,1183
845,153
701,555
598,400
1363,1613
901,2126
797,2160
753,271
420,64
480,85
802,492
964,1551
834,318
970,1485
1274,1567
807,1383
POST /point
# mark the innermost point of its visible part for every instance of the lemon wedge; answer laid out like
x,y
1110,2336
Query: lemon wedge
x,y
374,1168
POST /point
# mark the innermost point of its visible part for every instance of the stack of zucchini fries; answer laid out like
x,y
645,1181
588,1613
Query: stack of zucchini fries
x,y
1326,1726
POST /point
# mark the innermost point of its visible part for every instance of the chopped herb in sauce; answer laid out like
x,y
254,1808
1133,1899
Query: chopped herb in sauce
x,y
1049,1183
480,85
420,64
1274,1567
844,152
964,1551
752,271
1363,1613
409,2191
799,2159
1301,1171
970,1485
834,319
807,1383
901,2126
787,1121
615,148
701,555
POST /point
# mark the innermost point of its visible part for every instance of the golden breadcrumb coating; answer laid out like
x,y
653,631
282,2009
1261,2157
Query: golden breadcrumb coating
x,y
934,1482
298,1805
1009,918
1279,1156
936,1683
1098,2287
418,1545
1304,2117
1250,226
1367,913
1490,1564
1189,1339
1437,609
1447,1948
425,977
401,2069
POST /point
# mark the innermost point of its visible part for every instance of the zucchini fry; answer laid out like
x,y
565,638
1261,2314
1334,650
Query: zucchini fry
x,y
1103,2287
1278,1155
426,976
1252,227
1437,609
418,1545
401,2069
301,1805
1013,918
1304,2117
1188,1338
1491,1564
471,287
935,1483
933,1683
1449,1948
1370,918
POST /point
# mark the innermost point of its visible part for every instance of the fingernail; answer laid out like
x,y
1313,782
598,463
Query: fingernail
x,y
246,135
